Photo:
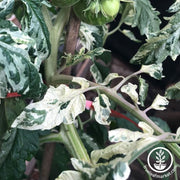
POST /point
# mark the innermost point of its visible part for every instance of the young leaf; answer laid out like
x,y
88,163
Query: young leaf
x,y
109,78
33,24
59,105
81,81
130,89
178,133
91,36
154,70
125,135
159,103
173,92
96,74
130,35
121,171
69,175
102,109
6,7
143,89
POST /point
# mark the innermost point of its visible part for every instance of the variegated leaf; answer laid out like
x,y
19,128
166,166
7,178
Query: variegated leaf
x,y
20,73
69,175
121,171
6,7
143,89
154,70
59,105
96,74
109,78
34,25
178,134
130,90
102,109
173,92
159,103
81,81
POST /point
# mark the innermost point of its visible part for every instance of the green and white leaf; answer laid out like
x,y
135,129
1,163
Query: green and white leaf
x,y
178,133
86,35
128,150
124,135
121,171
101,171
143,89
159,103
154,70
141,14
173,92
146,18
102,109
164,43
3,84
82,55
69,175
109,78
33,24
81,81
130,89
96,73
146,128
59,105
21,74
6,7
130,35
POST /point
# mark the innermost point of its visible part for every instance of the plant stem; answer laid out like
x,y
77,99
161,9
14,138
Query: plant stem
x,y
54,137
142,164
126,11
55,34
125,80
75,142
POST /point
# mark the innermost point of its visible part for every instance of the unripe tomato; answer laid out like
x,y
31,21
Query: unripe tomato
x,y
110,7
97,12
64,3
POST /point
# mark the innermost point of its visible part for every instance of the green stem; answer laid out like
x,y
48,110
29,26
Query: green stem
x,y
126,11
142,164
54,137
55,31
75,142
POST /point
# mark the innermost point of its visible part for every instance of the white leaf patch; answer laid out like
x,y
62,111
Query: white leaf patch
x,y
154,70
130,89
159,103
101,106
59,105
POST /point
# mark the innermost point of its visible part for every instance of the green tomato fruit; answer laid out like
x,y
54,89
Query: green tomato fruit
x,y
110,7
64,3
96,13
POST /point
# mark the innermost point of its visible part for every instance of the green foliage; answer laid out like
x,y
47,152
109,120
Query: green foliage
x,y
18,146
173,92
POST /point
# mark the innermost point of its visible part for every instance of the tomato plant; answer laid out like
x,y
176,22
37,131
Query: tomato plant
x,y
50,120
